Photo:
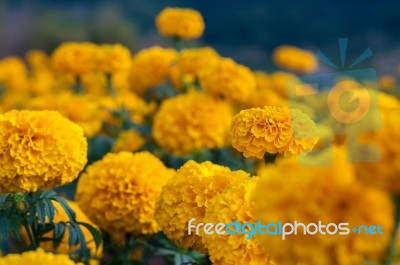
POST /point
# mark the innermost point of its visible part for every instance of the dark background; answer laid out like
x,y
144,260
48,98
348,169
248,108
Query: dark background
x,y
244,30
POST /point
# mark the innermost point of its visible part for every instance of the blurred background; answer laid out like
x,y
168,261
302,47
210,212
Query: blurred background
x,y
244,30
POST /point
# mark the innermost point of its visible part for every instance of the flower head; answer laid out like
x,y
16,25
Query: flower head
x,y
150,67
13,75
193,61
296,59
192,121
113,58
130,141
234,204
184,23
228,80
118,193
188,194
38,150
273,130
289,192
37,257
75,58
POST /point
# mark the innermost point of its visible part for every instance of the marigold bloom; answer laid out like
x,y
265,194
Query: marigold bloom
x,y
37,59
234,204
192,121
150,67
187,195
118,193
38,150
295,59
273,130
75,58
37,257
88,115
113,58
184,23
13,75
228,80
130,141
193,61
290,192
64,248
383,173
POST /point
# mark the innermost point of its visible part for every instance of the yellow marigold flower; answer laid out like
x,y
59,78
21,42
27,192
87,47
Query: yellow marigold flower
x,y
37,257
130,141
64,248
150,67
75,58
193,61
95,84
383,173
273,130
192,121
184,23
13,75
280,81
113,58
37,59
295,59
228,80
118,193
38,150
188,194
180,80
232,205
387,82
322,194
88,115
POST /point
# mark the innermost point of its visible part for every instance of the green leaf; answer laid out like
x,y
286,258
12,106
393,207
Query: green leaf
x,y
49,208
59,231
72,237
3,228
96,234
68,210
41,212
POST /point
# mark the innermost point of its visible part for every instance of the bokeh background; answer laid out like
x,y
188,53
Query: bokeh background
x,y
244,30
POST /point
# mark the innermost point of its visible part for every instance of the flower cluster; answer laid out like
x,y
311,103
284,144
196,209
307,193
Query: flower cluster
x,y
296,59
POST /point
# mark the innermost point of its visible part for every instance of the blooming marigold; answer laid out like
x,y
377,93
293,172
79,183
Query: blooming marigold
x,y
37,257
327,194
13,75
38,150
184,23
193,61
192,121
234,204
188,194
88,115
150,67
118,193
273,130
229,80
130,141
75,58
113,58
295,59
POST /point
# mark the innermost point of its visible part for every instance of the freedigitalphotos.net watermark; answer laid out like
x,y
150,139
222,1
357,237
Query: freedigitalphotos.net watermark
x,y
282,229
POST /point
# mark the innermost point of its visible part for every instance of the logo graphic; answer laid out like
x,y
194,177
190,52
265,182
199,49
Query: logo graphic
x,y
345,101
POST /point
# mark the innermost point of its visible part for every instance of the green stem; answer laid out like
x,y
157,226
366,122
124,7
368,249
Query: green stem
x,y
178,44
110,86
393,244
30,236
78,86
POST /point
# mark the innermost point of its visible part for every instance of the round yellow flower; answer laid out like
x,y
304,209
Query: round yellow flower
x,y
39,150
273,130
184,23
295,59
150,67
81,109
383,173
290,192
75,58
37,257
280,81
187,195
192,121
228,80
13,75
113,58
130,141
37,59
64,248
118,193
193,61
232,205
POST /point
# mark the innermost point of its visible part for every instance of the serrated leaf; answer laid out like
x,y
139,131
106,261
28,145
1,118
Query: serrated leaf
x,y
59,231
96,234
67,209
49,208
72,236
